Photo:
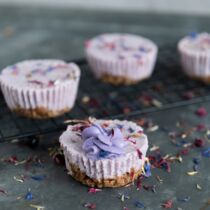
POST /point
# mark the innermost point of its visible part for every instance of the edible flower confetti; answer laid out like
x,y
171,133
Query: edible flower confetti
x,y
201,112
192,173
37,207
90,205
29,195
167,204
94,190
206,152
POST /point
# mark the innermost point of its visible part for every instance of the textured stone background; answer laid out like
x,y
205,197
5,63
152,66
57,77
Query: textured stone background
x,y
160,6
40,33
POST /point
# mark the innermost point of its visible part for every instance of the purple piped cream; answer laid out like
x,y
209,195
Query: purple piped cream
x,y
124,56
104,150
195,55
40,88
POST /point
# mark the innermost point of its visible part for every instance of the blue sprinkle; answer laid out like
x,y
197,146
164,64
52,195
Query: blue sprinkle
x,y
206,153
147,169
186,199
38,178
103,153
29,196
139,204
193,35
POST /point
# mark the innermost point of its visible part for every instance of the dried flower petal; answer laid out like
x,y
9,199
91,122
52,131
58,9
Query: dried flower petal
x,y
38,178
201,112
3,191
90,205
37,207
199,142
198,187
192,173
94,190
139,153
200,127
206,153
153,128
29,195
167,204
185,199
139,204
154,148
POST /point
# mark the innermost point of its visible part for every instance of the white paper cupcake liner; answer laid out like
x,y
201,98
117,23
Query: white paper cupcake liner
x,y
55,98
104,169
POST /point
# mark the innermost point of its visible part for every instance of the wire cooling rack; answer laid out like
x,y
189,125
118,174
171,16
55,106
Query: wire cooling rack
x,y
168,87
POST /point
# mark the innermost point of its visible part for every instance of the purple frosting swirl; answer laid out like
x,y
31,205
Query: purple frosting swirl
x,y
103,143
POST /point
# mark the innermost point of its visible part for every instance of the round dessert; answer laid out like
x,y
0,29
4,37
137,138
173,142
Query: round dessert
x,y
121,58
104,153
40,88
195,56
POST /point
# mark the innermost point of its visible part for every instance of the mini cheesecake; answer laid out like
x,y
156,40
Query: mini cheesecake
x,y
104,153
195,56
121,58
40,88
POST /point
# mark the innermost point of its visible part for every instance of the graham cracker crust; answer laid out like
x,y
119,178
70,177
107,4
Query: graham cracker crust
x,y
119,80
205,80
120,181
40,113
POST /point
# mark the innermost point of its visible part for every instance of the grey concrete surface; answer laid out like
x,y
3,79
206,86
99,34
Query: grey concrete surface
x,y
59,191
31,33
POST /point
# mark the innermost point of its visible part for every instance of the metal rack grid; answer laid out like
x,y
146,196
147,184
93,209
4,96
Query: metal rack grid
x,y
167,85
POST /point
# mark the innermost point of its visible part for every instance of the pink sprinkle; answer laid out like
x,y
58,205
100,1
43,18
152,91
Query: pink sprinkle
x,y
125,208
90,205
199,142
201,112
167,204
94,190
